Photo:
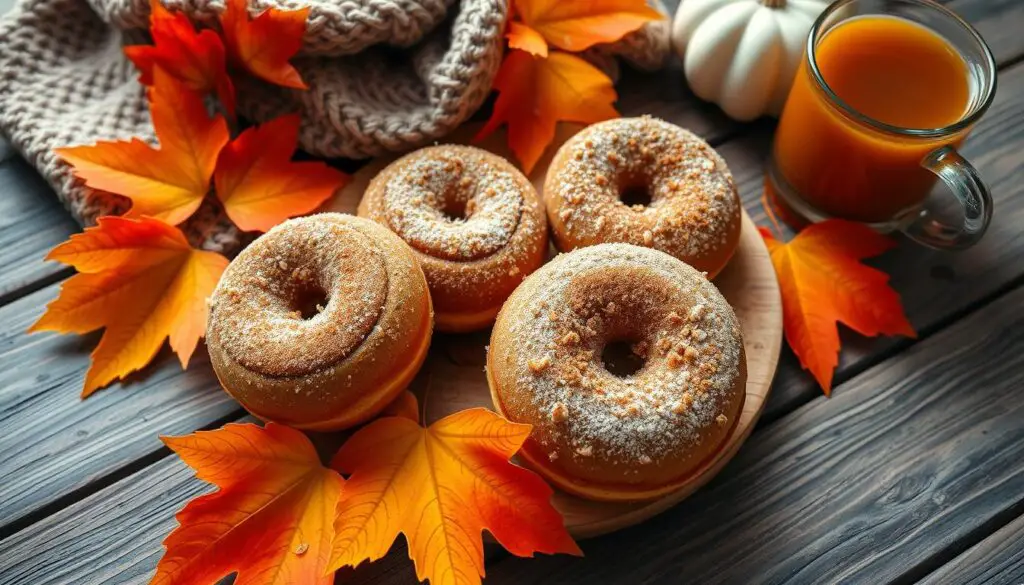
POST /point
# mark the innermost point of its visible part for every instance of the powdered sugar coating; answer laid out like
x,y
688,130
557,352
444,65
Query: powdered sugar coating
x,y
475,222
694,209
482,214
648,428
320,322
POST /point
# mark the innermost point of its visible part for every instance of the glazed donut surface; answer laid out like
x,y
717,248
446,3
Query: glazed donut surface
x,y
693,212
597,434
476,223
320,322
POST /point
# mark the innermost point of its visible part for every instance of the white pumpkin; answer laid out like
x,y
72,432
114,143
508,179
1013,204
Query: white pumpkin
x,y
743,54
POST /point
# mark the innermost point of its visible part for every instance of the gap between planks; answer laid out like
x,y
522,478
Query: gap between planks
x,y
999,558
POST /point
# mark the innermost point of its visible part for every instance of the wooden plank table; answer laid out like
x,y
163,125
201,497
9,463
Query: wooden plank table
x,y
913,471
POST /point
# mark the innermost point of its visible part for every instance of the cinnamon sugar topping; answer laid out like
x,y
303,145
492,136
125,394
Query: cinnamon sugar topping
x,y
476,223
694,209
607,293
326,267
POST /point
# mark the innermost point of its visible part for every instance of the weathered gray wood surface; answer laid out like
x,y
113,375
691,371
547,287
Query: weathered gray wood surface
x,y
54,443
31,222
997,559
111,537
87,492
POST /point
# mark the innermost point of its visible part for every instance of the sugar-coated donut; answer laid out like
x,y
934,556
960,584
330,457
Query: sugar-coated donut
x,y
476,223
604,436
693,211
321,322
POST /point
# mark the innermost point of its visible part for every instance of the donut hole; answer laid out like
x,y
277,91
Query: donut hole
x,y
622,358
635,191
309,300
635,195
455,209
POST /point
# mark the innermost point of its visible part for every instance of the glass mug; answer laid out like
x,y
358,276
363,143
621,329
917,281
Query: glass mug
x,y
831,160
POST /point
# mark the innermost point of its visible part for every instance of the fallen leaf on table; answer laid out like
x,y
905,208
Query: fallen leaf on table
x,y
167,183
442,486
141,281
259,184
534,94
577,26
263,45
271,519
822,282
197,60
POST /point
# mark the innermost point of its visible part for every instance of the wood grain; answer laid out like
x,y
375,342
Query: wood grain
x,y
997,559
109,538
55,443
998,22
868,487
1002,245
31,222
665,94
936,287
114,536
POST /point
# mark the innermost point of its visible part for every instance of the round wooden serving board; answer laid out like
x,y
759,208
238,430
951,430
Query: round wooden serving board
x,y
453,377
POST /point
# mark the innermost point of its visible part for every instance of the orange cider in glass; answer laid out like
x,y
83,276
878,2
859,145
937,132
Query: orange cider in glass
x,y
889,70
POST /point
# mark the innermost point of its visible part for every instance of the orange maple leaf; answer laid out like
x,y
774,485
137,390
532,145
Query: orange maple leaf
x,y
442,486
822,282
195,59
142,282
577,26
271,518
534,94
263,45
166,183
259,184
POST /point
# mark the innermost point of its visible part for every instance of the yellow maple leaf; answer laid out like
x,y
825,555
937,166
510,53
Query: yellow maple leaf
x,y
442,486
141,281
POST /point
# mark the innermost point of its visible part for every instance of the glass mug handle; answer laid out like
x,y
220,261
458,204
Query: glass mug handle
x,y
964,181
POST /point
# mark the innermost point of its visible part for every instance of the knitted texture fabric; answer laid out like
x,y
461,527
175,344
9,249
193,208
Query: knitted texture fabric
x,y
383,75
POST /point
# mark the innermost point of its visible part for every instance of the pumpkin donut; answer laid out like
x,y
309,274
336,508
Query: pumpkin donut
x,y
475,222
320,323
604,436
687,203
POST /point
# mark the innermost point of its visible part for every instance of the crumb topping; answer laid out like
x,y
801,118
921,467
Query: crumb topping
x,y
453,204
617,292
694,206
476,223
324,268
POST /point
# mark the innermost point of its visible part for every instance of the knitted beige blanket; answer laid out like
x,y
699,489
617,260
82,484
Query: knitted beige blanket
x,y
383,75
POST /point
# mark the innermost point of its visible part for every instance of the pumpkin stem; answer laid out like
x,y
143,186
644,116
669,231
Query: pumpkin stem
x,y
773,3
